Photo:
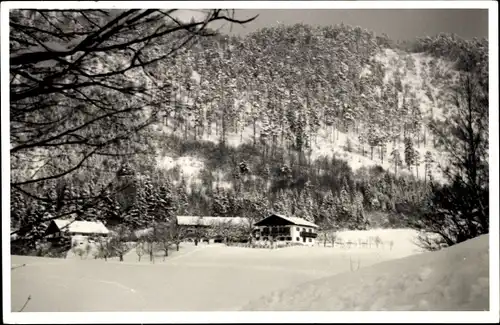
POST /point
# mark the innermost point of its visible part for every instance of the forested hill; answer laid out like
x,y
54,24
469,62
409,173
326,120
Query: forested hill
x,y
318,92
331,123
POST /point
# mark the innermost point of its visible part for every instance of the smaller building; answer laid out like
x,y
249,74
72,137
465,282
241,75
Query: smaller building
x,y
79,231
209,226
286,229
206,221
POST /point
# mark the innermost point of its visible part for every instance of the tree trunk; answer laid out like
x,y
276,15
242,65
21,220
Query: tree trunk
x,y
254,131
282,134
224,129
177,246
273,149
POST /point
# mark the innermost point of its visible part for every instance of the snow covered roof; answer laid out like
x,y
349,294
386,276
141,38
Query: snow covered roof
x,y
86,227
294,220
209,221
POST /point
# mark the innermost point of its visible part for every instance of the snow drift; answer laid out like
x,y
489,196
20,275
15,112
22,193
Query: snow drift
x,y
453,279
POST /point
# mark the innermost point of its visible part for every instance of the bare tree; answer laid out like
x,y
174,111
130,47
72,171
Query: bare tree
x,y
177,234
164,238
88,248
104,248
139,249
253,209
118,241
224,229
459,210
199,231
83,87
150,249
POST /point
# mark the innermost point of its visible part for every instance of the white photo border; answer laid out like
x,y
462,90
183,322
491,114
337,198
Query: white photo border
x,y
255,317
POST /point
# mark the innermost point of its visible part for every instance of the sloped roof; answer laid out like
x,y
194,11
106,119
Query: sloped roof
x,y
86,227
294,220
210,221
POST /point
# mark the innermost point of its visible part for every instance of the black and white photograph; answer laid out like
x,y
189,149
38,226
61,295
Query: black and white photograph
x,y
293,156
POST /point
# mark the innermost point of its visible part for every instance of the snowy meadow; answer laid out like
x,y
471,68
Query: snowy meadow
x,y
214,277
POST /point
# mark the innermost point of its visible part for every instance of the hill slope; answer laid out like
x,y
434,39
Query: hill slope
x,y
453,279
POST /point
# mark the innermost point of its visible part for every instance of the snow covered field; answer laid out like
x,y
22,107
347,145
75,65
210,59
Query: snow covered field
x,y
219,278
453,279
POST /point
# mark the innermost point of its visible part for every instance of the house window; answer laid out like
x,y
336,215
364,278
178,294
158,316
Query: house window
x,y
298,229
303,229
289,238
298,239
310,240
310,230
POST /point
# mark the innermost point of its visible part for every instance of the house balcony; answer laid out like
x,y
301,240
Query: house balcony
x,y
285,233
308,234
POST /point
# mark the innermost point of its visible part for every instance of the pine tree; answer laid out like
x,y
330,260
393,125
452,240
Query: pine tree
x,y
383,151
459,210
428,161
417,160
220,203
396,159
409,153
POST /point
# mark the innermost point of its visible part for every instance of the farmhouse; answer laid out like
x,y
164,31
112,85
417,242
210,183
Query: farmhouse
x,y
78,230
286,229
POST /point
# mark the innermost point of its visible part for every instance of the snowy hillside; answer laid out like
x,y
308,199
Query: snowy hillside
x,y
453,279
423,82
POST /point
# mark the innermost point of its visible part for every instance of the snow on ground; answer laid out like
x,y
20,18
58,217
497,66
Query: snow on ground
x,y
453,279
401,242
393,61
233,139
208,277
325,147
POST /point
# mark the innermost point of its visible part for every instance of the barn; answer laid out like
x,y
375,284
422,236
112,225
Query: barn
x,y
194,223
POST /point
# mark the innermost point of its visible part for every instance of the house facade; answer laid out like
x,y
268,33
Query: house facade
x,y
79,231
286,229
